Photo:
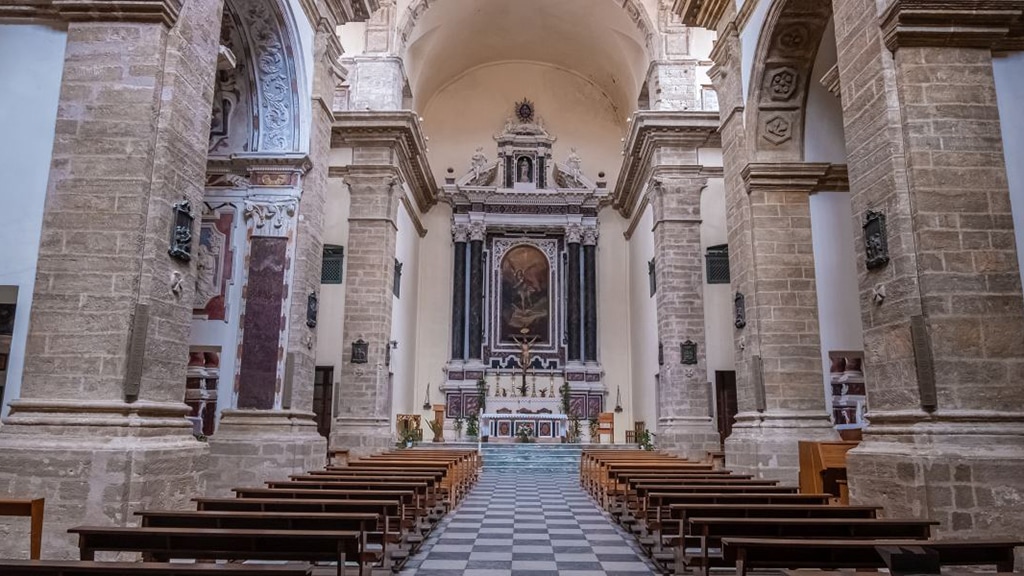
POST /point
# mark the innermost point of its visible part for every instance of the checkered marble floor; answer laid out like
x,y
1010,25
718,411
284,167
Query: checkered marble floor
x,y
528,524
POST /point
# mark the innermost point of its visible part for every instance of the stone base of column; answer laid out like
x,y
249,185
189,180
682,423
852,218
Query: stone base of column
x,y
690,438
965,472
766,445
253,446
95,463
362,436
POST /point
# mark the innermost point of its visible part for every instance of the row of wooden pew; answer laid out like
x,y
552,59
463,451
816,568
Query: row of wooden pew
x,y
694,516
372,512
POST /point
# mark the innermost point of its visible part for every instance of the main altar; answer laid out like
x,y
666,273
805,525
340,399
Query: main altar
x,y
524,285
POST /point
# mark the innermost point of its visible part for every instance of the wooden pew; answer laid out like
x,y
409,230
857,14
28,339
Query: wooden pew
x,y
33,509
78,568
754,553
165,544
711,531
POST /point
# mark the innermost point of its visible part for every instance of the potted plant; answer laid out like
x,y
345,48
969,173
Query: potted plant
x,y
438,429
524,435
646,440
472,426
575,430
406,438
595,430
458,426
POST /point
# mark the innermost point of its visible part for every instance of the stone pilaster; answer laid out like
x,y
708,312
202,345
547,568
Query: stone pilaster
x,y
684,422
477,234
590,235
460,234
782,399
573,236
946,438
100,430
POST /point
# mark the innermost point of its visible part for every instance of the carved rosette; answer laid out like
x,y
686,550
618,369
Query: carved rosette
x,y
573,233
271,217
460,232
590,236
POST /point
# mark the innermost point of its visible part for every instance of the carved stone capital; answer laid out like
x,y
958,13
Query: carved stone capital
x,y
806,177
590,236
939,23
270,217
477,231
573,233
161,11
460,232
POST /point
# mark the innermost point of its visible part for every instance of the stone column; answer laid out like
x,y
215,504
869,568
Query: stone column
x,y
684,423
943,350
99,430
460,234
362,421
573,236
784,397
590,235
477,233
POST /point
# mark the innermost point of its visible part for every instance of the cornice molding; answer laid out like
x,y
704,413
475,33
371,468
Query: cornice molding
x,y
702,13
809,177
953,23
398,131
651,130
153,11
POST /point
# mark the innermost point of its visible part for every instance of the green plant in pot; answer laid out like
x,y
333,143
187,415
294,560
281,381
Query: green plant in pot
x,y
406,438
646,440
473,426
438,429
575,429
458,424
595,430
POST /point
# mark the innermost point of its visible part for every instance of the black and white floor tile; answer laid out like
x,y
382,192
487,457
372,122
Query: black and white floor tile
x,y
528,524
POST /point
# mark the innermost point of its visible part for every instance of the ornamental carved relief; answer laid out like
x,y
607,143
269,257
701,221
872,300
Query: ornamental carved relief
x,y
270,217
782,84
573,233
777,130
590,236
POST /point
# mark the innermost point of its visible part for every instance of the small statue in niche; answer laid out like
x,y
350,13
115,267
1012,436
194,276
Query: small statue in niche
x,y
525,170
573,163
478,161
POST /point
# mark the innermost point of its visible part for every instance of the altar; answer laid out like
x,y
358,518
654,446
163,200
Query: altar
x,y
508,424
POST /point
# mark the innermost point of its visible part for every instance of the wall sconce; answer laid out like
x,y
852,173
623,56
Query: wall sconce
x,y
181,232
688,352
618,400
426,398
312,309
360,351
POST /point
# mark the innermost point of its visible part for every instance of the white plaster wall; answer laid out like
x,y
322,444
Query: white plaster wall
x,y
613,315
643,325
434,318
749,37
330,342
1009,76
719,351
31,64
469,111
302,36
824,139
404,318
835,274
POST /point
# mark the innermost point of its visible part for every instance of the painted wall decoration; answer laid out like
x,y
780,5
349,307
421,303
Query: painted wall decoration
x,y
525,294
214,268
453,408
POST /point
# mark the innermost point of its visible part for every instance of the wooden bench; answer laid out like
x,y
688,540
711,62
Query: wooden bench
x,y
165,544
33,509
752,553
79,568
710,532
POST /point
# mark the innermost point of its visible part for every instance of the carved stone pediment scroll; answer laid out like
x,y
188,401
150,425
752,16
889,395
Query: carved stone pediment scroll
x,y
271,217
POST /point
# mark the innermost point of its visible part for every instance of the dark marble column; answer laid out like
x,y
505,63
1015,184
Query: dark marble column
x,y
590,294
460,232
476,290
573,235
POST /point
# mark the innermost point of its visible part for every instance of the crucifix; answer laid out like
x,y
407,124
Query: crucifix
x,y
525,346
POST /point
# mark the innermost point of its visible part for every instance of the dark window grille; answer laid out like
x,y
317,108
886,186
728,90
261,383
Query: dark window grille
x,y
717,260
397,287
652,281
333,264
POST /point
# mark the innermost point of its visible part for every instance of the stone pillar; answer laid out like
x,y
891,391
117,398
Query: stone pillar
x,y
99,430
362,421
684,422
460,234
943,350
573,236
590,235
477,233
784,397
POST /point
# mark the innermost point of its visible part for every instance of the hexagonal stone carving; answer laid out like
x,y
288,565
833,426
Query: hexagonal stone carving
x,y
777,129
782,84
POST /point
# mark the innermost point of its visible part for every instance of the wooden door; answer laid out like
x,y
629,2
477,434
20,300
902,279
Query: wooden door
x,y
725,401
323,399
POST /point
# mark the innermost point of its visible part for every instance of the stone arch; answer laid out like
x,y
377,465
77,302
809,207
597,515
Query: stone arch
x,y
779,85
633,8
256,100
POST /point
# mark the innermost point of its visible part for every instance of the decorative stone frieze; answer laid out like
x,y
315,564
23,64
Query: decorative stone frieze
x,y
159,11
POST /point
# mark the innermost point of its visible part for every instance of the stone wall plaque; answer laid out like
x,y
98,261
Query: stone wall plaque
x,y
688,352
740,310
876,243
360,350
312,309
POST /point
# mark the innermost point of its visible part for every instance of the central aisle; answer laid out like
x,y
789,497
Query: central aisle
x,y
527,524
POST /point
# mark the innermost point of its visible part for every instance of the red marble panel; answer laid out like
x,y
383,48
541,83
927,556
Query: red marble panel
x,y
264,300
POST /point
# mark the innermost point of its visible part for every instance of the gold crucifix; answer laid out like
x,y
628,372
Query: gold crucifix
x,y
525,347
